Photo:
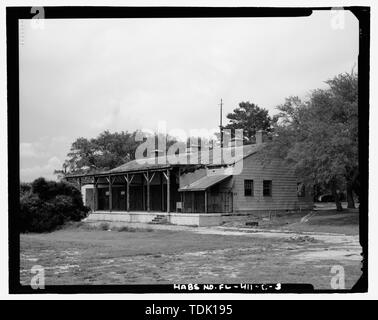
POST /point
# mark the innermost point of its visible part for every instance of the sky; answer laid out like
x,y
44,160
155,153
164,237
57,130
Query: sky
x,y
83,76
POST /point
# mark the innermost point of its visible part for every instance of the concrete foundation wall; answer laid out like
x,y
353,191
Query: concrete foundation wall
x,y
184,219
264,212
250,214
195,219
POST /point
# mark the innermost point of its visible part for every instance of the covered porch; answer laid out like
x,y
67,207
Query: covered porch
x,y
156,191
205,195
139,191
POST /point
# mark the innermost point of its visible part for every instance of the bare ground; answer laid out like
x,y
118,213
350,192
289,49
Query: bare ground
x,y
322,219
189,255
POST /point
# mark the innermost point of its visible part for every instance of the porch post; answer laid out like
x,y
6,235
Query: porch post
x,y
110,194
94,194
205,201
168,191
125,190
162,191
127,193
128,182
143,193
147,176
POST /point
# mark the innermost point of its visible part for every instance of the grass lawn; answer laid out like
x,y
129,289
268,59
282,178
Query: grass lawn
x,y
345,222
329,221
79,256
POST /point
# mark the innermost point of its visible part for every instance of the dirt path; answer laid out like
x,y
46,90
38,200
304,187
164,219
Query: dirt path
x,y
339,247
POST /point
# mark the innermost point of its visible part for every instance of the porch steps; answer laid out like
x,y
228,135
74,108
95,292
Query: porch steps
x,y
160,219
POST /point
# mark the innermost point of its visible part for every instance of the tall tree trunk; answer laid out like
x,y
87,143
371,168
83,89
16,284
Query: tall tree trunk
x,y
352,182
337,197
356,184
350,199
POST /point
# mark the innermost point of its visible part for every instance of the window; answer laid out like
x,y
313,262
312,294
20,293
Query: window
x,y
301,189
248,188
267,188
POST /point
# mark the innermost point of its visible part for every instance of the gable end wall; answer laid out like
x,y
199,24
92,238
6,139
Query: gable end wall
x,y
284,188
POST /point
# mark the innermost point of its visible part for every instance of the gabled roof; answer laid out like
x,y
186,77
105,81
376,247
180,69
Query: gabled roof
x,y
208,157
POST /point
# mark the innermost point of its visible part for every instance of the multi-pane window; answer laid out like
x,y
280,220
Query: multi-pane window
x,y
300,189
248,188
267,188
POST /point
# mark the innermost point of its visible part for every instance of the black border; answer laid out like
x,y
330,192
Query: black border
x,y
13,14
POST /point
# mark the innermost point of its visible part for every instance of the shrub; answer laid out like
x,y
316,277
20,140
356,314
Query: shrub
x,y
133,229
25,188
48,205
104,226
126,229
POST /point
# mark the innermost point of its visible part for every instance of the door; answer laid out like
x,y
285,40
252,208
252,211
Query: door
x,y
89,198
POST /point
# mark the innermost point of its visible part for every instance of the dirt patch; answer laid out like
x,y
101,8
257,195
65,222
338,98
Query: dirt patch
x,y
330,254
206,255
298,238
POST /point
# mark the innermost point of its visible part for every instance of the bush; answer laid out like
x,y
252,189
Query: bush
x,y
133,229
126,229
24,188
48,205
104,226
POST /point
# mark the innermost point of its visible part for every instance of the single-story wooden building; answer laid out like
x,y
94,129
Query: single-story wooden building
x,y
194,192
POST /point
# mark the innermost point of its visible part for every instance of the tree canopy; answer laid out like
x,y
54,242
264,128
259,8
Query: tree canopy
x,y
319,137
106,151
251,118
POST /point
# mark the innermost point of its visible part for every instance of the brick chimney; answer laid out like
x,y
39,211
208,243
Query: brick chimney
x,y
260,136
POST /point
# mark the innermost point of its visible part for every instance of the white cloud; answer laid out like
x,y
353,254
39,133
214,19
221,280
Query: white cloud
x,y
41,157
109,120
28,150
45,170
82,76
41,148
